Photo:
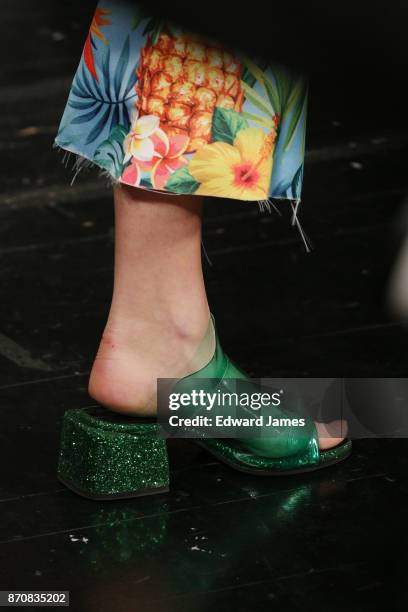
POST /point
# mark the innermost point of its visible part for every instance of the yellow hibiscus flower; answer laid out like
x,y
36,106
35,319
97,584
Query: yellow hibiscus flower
x,y
242,170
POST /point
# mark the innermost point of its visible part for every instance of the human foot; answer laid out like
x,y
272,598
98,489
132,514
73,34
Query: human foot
x,y
132,357
331,434
128,363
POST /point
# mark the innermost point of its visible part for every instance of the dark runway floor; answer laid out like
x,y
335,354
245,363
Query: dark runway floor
x,y
332,541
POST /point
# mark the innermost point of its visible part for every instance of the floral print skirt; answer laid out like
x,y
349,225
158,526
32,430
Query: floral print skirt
x,y
163,109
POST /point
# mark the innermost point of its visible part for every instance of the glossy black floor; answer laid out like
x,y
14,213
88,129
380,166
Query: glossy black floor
x,y
330,541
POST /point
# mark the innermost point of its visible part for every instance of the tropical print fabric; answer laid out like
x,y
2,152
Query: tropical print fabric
x,y
161,108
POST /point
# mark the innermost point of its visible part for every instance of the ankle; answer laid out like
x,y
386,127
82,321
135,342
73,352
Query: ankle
x,y
182,325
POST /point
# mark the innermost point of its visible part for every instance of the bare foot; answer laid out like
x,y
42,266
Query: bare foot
x,y
129,362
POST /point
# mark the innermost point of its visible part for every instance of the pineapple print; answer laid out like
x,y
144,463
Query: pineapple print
x,y
181,79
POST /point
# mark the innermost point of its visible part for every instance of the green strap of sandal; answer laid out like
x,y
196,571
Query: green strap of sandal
x,y
284,452
104,455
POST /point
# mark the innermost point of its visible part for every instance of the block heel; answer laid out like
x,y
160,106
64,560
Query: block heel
x,y
106,456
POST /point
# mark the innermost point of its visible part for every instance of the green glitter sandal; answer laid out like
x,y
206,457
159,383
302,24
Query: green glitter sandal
x,y
284,453
104,455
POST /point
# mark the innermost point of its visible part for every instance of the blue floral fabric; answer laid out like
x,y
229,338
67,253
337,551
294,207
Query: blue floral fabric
x,y
165,109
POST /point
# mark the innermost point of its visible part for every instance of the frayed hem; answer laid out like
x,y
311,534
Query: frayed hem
x,y
268,205
81,163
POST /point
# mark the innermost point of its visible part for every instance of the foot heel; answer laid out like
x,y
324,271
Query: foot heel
x,y
107,456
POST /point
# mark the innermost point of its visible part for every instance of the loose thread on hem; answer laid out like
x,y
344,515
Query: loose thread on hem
x,y
267,205
207,257
295,221
83,163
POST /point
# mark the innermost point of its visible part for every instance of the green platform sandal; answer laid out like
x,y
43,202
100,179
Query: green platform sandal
x,y
104,455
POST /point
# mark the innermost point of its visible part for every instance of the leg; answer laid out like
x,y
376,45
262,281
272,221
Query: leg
x,y
159,312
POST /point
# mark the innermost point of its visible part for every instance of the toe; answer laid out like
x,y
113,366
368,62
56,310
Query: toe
x,y
331,434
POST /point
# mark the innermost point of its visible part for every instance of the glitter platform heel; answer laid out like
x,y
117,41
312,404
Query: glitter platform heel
x,y
106,456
